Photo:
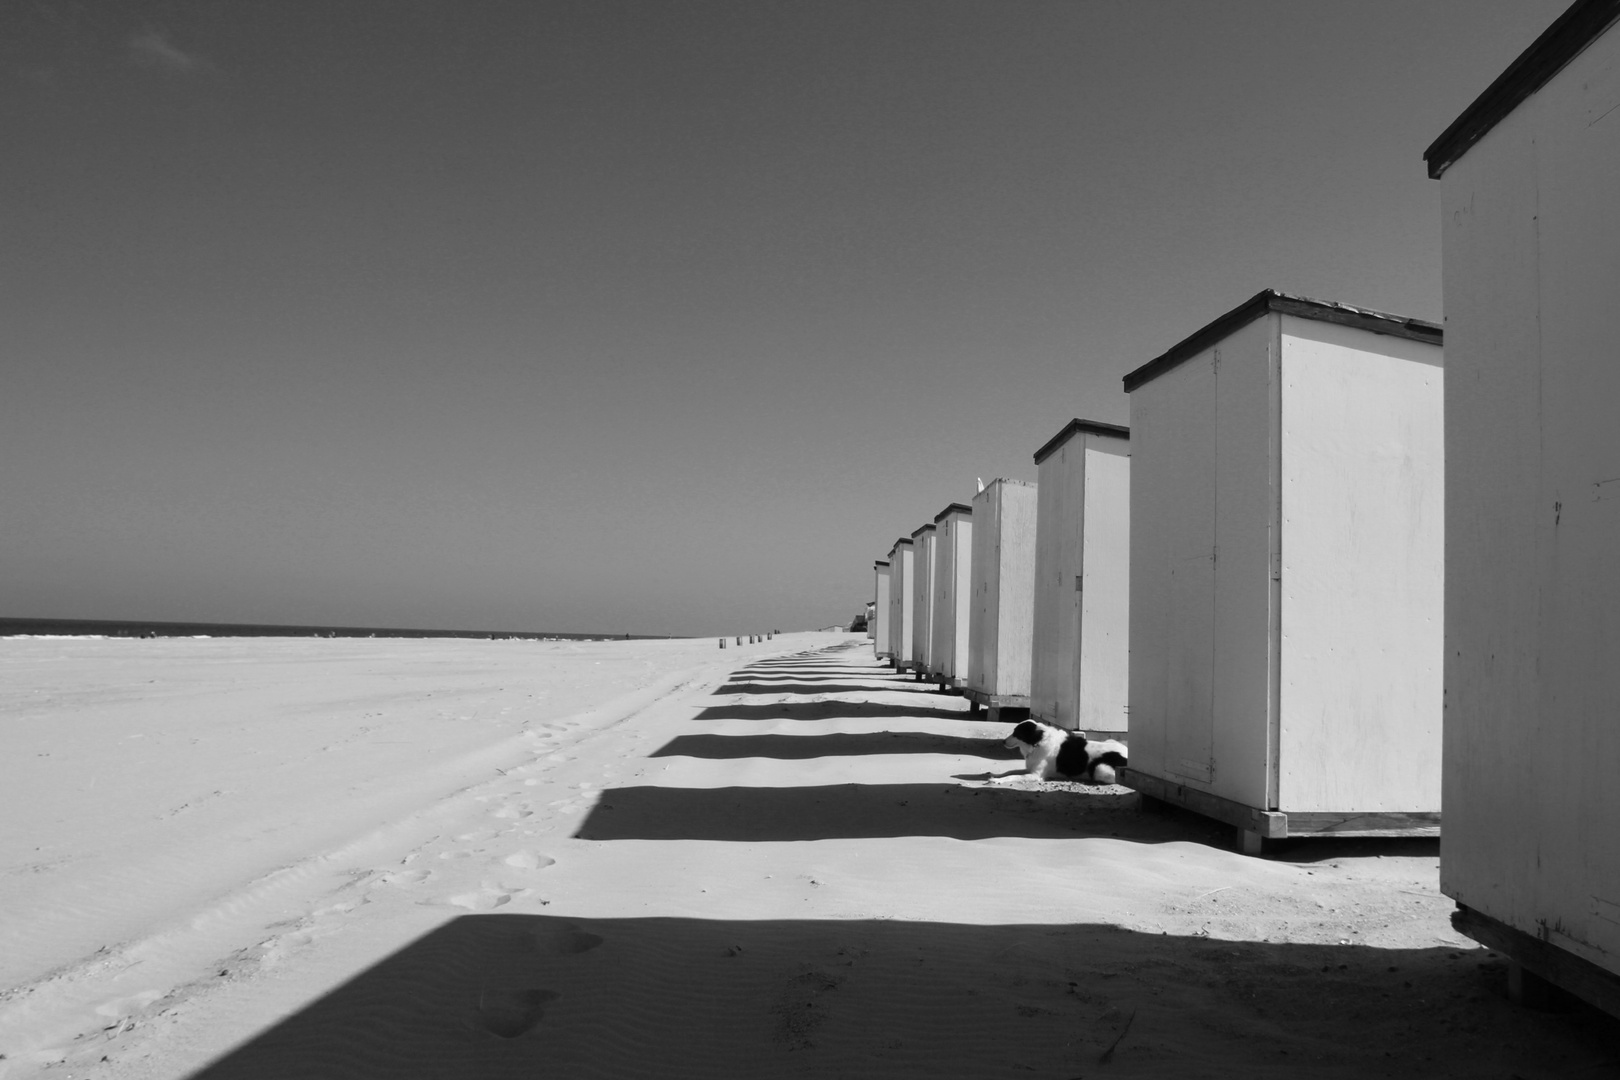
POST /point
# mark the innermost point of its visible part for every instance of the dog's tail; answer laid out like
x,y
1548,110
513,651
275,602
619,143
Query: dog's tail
x,y
1102,770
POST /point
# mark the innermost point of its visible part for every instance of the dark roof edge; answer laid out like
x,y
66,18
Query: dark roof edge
x,y
1090,427
930,527
1569,35
902,540
957,507
1269,300
880,562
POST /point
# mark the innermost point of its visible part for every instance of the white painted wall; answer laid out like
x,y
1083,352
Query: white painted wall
x,y
1246,510
1363,571
1102,696
1172,573
953,549
902,580
880,611
984,621
922,597
1054,650
1002,587
1079,671
1531,236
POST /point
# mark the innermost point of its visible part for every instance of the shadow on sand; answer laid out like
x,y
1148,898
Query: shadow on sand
x,y
498,996
832,710
842,811
838,744
745,686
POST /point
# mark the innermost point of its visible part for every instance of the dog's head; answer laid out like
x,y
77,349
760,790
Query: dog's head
x,y
1025,733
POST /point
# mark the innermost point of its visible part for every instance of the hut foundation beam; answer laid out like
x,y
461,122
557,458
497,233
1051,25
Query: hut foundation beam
x,y
1539,969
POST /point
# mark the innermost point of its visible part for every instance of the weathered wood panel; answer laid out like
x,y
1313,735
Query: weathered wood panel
x,y
922,597
1055,648
953,552
902,580
880,610
1531,240
1078,666
1002,588
1246,513
1102,695
1362,571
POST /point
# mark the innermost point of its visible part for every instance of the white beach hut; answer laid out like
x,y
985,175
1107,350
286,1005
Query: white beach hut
x,y
953,600
902,579
1286,571
878,627
1531,243
922,599
1079,669
1002,587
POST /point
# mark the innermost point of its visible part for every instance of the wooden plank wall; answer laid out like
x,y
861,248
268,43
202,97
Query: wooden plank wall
x,y
1002,588
922,597
880,610
1054,645
1362,570
1531,241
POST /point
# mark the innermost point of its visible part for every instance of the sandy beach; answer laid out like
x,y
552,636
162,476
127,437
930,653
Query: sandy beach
x,y
381,858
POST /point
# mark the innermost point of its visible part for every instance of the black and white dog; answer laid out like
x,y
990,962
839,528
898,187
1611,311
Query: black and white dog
x,y
1051,752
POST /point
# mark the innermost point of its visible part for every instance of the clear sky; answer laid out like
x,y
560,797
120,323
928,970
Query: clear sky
x,y
656,317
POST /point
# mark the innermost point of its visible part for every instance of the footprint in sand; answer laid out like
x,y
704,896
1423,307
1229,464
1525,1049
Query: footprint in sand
x,y
477,836
529,860
510,1013
403,878
484,899
511,813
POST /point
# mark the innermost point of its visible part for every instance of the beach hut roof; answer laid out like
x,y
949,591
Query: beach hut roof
x,y
954,508
880,564
1075,427
1268,300
1580,25
923,529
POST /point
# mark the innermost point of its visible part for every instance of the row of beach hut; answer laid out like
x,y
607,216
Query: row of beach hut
x,y
1254,584
1245,584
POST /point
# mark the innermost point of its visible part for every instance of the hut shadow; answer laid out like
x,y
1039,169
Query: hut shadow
x,y
841,676
743,686
867,811
523,995
1323,847
818,672
837,744
830,710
